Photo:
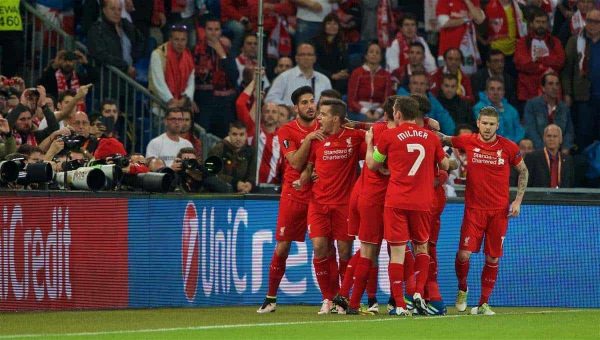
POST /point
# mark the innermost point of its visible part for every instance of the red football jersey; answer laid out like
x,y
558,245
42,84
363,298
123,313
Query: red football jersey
x,y
489,170
412,154
336,164
374,184
290,138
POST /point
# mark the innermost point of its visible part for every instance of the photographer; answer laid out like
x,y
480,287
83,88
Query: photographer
x,y
111,151
20,118
239,163
7,141
195,177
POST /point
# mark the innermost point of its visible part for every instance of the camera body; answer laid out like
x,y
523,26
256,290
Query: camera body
x,y
120,160
72,142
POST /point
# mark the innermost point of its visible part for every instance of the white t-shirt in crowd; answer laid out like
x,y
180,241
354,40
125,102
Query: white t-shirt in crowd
x,y
308,15
166,149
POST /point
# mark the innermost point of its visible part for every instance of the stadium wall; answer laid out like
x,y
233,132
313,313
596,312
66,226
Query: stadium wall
x,y
90,252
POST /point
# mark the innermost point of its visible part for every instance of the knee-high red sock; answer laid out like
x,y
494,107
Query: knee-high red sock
x,y
422,272
432,289
334,276
396,273
322,273
349,275
462,271
372,283
410,281
342,270
488,280
276,271
361,275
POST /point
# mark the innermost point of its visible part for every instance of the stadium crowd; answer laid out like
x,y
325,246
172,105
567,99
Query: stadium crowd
x,y
535,61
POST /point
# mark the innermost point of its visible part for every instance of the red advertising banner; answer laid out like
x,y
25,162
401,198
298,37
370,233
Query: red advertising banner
x,y
63,253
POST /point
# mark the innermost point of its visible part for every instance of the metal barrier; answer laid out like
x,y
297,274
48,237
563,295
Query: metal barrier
x,y
142,111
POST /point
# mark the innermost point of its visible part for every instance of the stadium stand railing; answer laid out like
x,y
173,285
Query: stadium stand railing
x,y
142,110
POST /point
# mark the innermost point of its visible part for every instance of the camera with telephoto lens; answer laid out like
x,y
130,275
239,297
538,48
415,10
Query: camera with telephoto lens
x,y
73,164
196,176
72,142
119,160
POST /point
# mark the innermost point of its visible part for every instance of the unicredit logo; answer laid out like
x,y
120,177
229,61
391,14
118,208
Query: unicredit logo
x,y
189,251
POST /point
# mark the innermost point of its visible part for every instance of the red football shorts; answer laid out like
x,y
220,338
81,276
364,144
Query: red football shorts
x,y
291,221
371,222
353,213
477,223
401,226
329,221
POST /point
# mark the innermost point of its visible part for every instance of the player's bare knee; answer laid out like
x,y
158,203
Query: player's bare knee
x,y
283,248
490,259
463,255
320,247
344,249
420,248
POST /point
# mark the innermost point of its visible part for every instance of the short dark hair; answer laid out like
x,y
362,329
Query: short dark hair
x,y
494,52
238,124
186,150
299,92
417,44
210,18
537,12
108,101
28,149
546,75
409,108
388,106
407,16
305,43
331,93
462,57
462,127
424,104
492,79
65,93
171,110
338,107
419,73
449,76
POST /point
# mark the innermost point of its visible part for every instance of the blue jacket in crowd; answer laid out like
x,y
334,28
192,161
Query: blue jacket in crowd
x,y
437,112
536,120
510,126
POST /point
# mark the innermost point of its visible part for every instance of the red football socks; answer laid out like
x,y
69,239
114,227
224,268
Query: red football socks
x,y
334,278
409,272
322,273
396,273
432,289
462,271
488,280
276,272
361,275
372,283
349,275
422,272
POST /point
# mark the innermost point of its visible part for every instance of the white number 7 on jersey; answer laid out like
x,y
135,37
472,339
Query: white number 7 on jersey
x,y
420,157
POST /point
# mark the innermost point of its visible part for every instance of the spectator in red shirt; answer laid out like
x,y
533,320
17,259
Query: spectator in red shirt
x,y
453,58
368,87
536,54
457,19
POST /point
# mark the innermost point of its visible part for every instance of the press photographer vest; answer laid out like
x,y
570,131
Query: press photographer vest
x,y
10,16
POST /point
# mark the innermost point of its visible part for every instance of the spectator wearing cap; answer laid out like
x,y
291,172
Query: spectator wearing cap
x,y
111,147
167,145
20,118
68,71
115,41
171,74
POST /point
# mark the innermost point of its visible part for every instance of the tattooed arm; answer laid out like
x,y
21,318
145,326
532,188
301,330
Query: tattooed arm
x,y
515,207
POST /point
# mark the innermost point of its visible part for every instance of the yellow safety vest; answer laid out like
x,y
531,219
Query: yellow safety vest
x,y
10,16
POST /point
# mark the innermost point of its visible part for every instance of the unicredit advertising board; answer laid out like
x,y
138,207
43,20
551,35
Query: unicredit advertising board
x,y
73,253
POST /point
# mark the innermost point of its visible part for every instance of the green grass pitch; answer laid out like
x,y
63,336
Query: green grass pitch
x,y
299,322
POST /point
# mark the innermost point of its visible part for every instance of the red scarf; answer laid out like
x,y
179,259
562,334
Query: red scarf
x,y
177,71
404,47
61,85
280,41
208,71
497,21
178,6
19,139
385,23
